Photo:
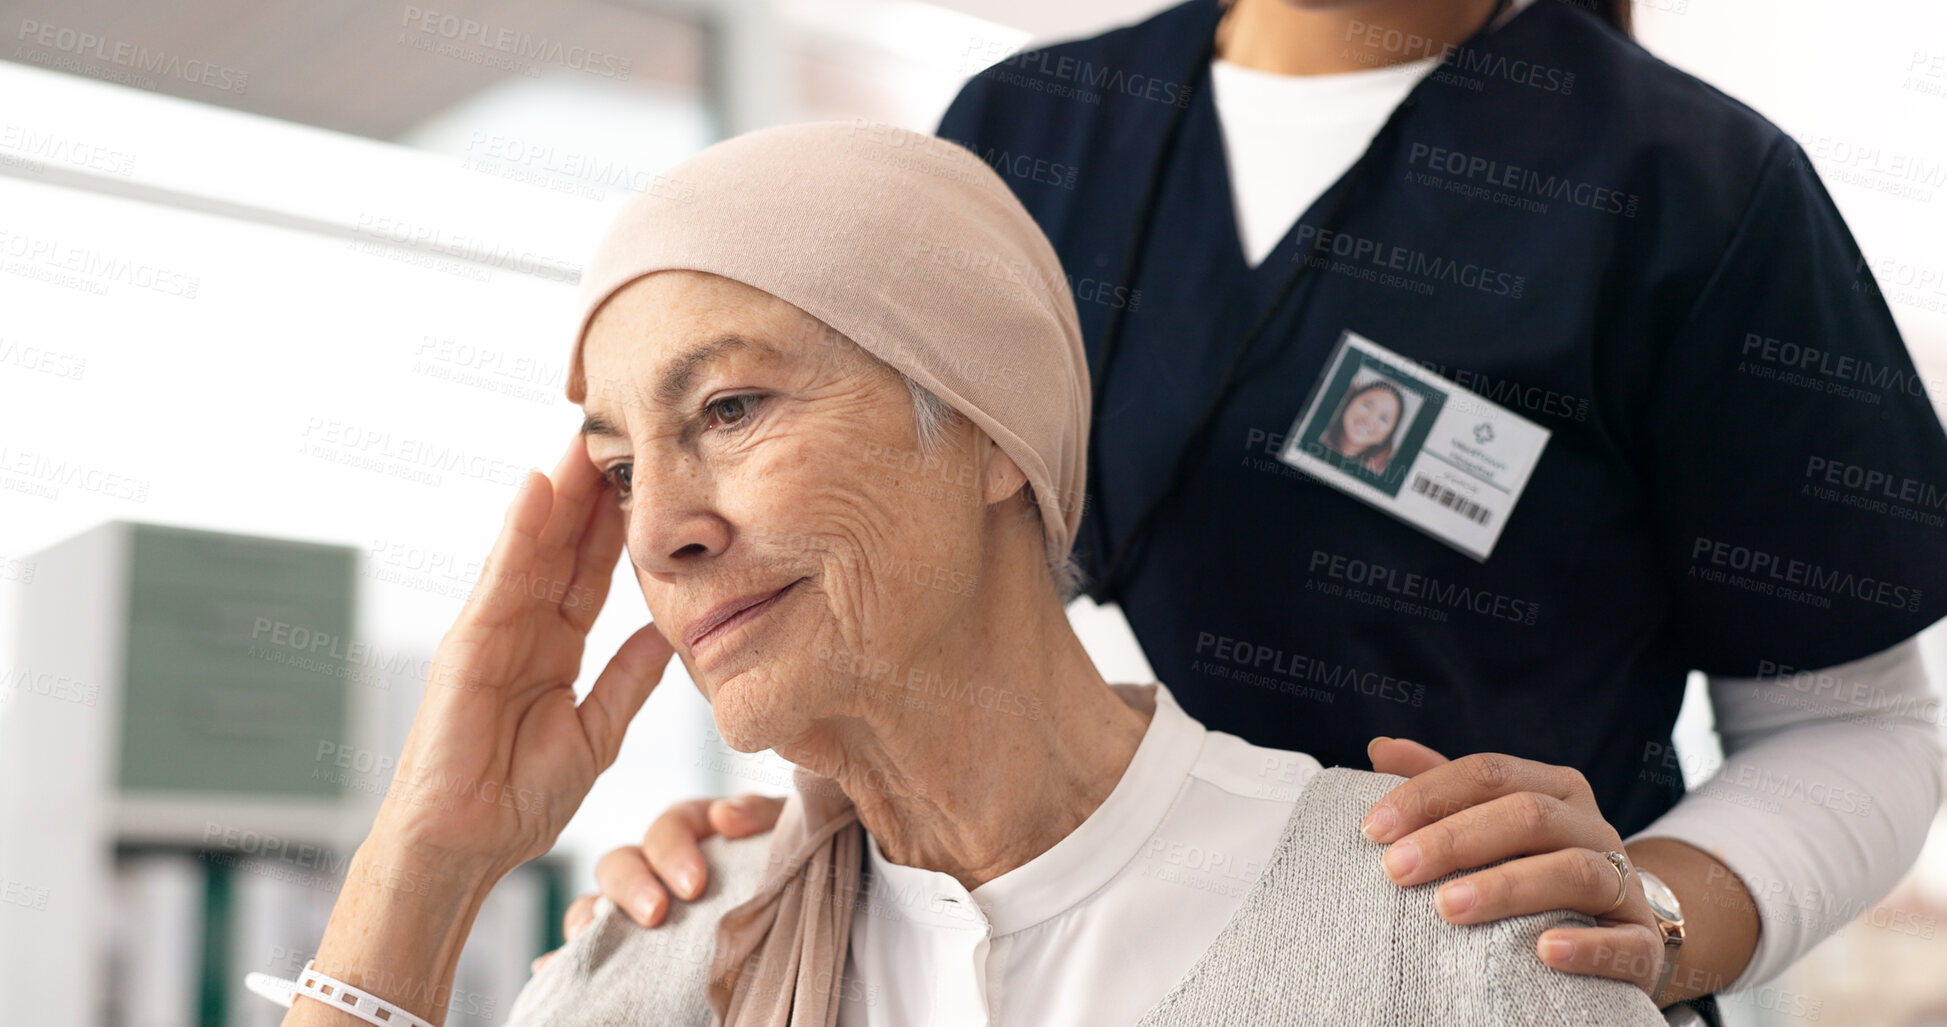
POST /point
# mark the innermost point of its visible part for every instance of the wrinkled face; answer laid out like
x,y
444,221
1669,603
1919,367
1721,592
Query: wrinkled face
x,y
1370,417
780,521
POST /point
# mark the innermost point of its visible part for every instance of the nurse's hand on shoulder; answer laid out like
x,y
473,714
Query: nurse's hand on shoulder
x,y
1460,814
640,879
500,754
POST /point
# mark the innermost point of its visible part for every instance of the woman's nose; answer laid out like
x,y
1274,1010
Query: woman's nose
x,y
672,522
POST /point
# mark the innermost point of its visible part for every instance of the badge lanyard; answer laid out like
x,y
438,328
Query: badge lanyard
x,y
1108,586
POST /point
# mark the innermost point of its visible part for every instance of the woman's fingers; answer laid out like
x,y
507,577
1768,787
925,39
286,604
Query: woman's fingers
x,y
601,546
1466,782
624,876
1521,824
670,845
1402,756
580,914
576,484
545,546
1571,878
745,815
1626,952
619,692
500,597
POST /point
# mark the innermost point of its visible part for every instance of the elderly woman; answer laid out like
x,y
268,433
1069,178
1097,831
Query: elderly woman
x,y
836,407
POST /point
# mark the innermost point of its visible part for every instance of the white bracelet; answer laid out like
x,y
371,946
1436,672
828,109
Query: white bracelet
x,y
362,1004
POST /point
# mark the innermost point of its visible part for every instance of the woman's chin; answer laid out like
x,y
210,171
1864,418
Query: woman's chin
x,y
748,713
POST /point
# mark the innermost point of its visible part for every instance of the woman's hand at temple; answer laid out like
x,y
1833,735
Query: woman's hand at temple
x,y
1455,815
640,880
500,755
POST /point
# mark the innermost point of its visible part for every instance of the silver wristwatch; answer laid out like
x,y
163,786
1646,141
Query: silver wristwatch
x,y
1669,920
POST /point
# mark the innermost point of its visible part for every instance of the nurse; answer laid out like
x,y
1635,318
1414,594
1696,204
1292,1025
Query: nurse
x,y
1664,424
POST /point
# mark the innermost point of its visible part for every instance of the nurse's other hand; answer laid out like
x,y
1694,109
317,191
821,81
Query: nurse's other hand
x,y
633,877
1460,814
500,755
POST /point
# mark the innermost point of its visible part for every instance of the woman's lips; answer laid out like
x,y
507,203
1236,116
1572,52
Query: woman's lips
x,y
723,628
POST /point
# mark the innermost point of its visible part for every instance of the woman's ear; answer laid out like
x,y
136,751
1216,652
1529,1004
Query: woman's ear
x,y
1002,478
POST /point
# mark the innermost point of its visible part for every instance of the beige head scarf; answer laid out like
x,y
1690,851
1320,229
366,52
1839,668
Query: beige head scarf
x,y
914,249
910,246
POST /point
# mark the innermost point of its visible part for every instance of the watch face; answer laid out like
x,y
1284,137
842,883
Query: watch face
x,y
1662,900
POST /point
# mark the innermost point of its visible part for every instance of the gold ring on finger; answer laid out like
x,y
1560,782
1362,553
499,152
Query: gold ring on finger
x,y
1621,863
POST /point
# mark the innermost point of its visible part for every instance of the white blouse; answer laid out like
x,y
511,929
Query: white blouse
x,y
1098,928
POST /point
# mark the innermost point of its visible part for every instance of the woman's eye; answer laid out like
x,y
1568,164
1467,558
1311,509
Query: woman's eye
x,y
620,478
729,411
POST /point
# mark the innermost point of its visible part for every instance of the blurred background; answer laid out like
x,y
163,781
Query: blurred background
x,y
284,317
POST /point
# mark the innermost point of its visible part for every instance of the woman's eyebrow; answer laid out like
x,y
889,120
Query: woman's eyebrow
x,y
596,424
680,375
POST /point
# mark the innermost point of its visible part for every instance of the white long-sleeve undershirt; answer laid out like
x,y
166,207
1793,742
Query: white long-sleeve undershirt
x,y
1829,783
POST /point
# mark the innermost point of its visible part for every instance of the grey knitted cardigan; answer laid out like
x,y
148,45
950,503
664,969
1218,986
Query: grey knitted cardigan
x,y
1323,937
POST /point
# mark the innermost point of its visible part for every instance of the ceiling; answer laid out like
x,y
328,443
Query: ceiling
x,y
373,69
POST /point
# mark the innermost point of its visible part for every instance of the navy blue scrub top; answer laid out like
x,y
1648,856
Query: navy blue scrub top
x,y
1745,475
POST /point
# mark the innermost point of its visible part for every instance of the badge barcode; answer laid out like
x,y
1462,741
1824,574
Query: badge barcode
x,y
1450,499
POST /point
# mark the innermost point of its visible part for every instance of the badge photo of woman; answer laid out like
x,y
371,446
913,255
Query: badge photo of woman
x,y
1368,423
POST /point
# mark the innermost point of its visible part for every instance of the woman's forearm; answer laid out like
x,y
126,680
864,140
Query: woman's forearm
x,y
1828,786
397,930
1721,922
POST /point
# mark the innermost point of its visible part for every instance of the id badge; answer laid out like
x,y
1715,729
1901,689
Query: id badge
x,y
1442,458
